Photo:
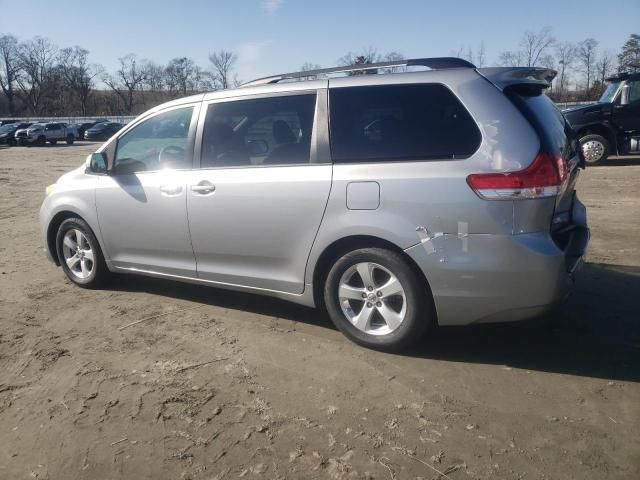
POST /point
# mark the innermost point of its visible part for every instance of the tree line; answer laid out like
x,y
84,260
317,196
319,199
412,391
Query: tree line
x,y
39,78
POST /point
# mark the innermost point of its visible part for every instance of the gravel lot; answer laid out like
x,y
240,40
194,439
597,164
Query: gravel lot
x,y
225,385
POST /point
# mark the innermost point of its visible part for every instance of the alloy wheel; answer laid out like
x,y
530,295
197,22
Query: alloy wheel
x,y
78,254
372,298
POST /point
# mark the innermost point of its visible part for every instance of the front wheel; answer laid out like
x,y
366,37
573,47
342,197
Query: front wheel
x,y
53,142
70,140
79,254
595,149
377,300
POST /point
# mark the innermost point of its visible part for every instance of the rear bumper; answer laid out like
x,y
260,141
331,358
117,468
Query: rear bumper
x,y
500,278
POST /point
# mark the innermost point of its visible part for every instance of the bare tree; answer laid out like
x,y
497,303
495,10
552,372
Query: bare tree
x,y
179,76
78,73
536,44
155,79
307,67
36,59
566,56
222,63
587,58
604,66
394,57
366,56
9,67
511,59
481,56
128,78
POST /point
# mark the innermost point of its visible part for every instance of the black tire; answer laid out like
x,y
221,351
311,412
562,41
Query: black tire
x,y
12,142
41,141
593,141
419,313
53,142
99,272
70,139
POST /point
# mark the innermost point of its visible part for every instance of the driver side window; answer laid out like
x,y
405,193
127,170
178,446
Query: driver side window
x,y
158,143
634,92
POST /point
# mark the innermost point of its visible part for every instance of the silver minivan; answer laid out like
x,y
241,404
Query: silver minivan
x,y
396,201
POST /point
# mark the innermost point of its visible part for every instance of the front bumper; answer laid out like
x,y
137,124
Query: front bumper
x,y
480,278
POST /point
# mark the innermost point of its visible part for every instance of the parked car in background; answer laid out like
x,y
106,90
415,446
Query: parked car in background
x,y
7,122
52,132
396,201
102,131
8,131
612,125
21,134
81,128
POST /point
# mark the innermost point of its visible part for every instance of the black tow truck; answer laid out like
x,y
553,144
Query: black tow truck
x,y
612,125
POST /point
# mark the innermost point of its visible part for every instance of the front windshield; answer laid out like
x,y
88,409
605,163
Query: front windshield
x,y
609,94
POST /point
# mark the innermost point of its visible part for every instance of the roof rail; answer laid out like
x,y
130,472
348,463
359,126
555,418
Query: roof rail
x,y
436,63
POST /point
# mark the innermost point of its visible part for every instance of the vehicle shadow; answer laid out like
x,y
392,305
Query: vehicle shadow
x,y
230,299
595,333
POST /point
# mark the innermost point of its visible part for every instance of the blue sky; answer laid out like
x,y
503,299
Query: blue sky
x,y
273,36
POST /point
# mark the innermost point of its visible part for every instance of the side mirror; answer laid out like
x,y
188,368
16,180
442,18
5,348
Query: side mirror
x,y
624,95
257,147
97,163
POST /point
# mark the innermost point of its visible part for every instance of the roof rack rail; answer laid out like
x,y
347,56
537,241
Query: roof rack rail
x,y
435,63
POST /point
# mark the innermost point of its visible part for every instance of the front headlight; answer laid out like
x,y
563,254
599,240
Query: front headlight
x,y
50,189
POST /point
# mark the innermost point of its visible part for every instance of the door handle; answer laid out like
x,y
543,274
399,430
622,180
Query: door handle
x,y
171,189
203,188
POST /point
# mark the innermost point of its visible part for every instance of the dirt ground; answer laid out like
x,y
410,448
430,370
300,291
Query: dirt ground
x,y
227,385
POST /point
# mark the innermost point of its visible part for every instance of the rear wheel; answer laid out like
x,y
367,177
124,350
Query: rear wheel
x,y
79,254
377,300
595,149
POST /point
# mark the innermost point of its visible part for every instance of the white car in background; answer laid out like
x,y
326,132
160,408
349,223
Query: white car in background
x,y
41,133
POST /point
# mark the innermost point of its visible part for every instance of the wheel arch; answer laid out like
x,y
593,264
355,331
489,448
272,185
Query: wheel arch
x,y
54,225
352,242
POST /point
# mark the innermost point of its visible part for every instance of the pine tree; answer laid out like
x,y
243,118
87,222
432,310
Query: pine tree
x,y
629,57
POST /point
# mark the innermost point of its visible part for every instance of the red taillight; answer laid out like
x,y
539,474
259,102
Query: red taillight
x,y
543,178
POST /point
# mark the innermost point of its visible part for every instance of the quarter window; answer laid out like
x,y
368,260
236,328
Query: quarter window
x,y
261,131
159,143
400,122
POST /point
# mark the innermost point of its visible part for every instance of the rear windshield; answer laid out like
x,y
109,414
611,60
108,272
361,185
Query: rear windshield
x,y
546,119
400,122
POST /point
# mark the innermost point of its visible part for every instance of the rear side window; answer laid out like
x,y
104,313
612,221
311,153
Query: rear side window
x,y
260,131
545,117
400,122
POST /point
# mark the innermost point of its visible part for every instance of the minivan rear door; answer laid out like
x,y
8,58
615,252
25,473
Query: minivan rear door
x,y
258,198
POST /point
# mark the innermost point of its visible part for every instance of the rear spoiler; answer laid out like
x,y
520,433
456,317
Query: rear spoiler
x,y
503,77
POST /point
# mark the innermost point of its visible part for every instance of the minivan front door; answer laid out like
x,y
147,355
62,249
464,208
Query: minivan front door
x,y
142,204
257,201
